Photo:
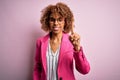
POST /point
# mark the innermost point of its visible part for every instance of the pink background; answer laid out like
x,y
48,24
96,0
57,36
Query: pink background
x,y
97,21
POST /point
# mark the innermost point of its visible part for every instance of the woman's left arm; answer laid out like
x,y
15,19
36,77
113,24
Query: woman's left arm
x,y
81,63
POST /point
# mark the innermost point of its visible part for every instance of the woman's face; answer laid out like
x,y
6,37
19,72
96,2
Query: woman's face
x,y
56,23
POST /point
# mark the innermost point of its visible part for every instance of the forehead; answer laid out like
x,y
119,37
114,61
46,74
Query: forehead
x,y
55,15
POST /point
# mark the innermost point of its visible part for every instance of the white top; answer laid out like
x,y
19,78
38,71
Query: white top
x,y
52,62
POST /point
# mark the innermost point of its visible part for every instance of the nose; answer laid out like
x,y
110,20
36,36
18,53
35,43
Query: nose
x,y
56,22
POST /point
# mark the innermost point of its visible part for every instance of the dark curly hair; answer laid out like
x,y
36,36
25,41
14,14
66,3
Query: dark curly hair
x,y
63,10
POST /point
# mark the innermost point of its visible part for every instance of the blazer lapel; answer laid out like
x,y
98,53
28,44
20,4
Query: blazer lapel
x,y
62,49
44,50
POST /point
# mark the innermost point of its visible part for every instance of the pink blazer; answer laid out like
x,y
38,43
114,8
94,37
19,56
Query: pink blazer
x,y
65,62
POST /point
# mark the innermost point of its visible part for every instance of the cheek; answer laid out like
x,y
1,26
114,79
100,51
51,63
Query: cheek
x,y
50,25
63,24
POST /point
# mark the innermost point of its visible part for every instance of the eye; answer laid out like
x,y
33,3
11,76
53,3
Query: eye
x,y
52,19
60,19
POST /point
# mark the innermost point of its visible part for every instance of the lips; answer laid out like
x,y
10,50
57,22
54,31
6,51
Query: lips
x,y
55,28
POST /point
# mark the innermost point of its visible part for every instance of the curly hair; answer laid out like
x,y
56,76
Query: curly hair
x,y
63,10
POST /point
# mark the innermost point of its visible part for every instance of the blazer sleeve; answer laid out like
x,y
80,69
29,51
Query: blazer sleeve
x,y
81,63
37,62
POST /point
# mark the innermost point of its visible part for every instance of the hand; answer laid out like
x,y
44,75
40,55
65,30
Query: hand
x,y
75,40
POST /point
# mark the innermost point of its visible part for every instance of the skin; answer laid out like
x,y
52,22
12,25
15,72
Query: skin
x,y
56,24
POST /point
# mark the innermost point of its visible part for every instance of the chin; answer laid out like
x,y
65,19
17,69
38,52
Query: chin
x,y
56,32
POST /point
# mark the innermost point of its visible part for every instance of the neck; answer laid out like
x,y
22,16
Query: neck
x,y
56,37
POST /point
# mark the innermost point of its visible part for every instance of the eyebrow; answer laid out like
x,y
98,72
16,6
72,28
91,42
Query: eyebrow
x,y
51,17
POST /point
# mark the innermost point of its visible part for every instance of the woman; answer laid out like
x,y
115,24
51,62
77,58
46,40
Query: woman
x,y
55,51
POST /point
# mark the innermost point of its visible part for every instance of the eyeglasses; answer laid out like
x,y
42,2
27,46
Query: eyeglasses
x,y
59,20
